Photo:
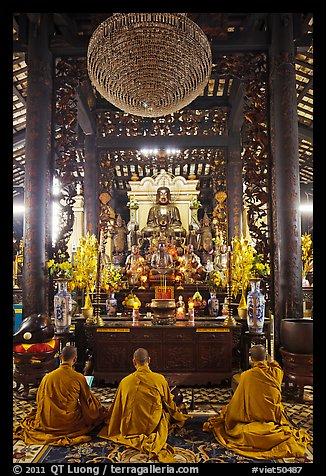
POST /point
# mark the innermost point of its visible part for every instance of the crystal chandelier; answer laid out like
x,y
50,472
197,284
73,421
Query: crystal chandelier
x,y
149,64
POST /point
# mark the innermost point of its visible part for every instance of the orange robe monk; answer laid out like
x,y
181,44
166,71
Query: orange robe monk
x,y
254,423
143,414
66,410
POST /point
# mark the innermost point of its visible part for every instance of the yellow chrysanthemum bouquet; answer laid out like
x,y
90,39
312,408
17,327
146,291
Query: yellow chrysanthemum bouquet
x,y
307,254
242,256
85,267
61,269
110,278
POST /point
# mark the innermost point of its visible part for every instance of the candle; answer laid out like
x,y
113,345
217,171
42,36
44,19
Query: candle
x,y
229,264
16,266
191,312
101,237
135,312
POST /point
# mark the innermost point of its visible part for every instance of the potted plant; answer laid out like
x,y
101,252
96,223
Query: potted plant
x,y
111,278
85,270
61,269
247,264
307,257
110,282
241,264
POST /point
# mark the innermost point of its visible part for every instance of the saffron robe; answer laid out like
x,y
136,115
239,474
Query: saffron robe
x,y
66,410
143,413
254,423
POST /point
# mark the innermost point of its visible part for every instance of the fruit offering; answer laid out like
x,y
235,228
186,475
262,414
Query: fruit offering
x,y
130,300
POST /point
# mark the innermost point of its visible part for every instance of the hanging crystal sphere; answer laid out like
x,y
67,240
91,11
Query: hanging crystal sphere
x,y
149,64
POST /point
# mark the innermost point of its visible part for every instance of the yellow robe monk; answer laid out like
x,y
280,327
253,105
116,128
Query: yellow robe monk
x,y
66,410
143,414
254,423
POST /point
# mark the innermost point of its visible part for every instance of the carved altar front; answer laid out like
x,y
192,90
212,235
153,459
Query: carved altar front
x,y
187,354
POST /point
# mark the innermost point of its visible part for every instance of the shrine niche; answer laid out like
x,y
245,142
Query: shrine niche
x,y
144,191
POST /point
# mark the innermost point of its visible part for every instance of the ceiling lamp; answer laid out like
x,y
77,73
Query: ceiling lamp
x,y
149,64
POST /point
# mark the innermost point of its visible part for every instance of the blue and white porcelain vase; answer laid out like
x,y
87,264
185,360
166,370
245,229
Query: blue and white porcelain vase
x,y
213,305
256,307
62,308
111,306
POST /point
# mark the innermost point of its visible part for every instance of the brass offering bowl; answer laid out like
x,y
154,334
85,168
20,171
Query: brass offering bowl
x,y
163,310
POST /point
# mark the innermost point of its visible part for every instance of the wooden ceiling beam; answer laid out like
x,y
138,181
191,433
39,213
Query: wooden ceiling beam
x,y
235,119
306,133
235,43
84,115
254,21
201,103
305,89
19,139
241,42
163,142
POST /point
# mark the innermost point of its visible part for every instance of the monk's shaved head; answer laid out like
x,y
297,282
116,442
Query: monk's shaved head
x,y
68,353
141,356
258,352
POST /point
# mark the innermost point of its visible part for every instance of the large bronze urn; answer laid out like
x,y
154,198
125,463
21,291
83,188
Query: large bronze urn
x,y
297,335
164,311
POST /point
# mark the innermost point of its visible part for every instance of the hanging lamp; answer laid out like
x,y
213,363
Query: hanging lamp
x,y
149,64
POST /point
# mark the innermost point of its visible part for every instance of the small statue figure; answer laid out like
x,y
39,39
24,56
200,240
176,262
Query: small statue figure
x,y
190,266
135,267
192,237
205,248
119,236
161,259
221,257
133,234
119,241
161,263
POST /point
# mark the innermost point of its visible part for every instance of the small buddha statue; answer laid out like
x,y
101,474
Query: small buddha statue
x,y
161,263
190,266
135,267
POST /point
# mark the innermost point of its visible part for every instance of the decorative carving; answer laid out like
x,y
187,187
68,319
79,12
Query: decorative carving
x,y
184,122
69,74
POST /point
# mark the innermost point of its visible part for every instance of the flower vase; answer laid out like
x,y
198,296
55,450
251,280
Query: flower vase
x,y
62,304
111,306
305,282
213,305
242,307
256,307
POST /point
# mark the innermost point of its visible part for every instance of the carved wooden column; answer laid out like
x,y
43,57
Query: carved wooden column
x,y
38,167
91,185
285,173
234,191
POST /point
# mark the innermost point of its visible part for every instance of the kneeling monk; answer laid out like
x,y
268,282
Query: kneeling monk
x,y
144,412
67,410
254,423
